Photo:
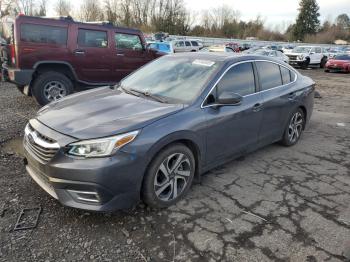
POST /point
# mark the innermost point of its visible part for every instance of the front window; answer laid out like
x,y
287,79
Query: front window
x,y
175,79
301,49
127,41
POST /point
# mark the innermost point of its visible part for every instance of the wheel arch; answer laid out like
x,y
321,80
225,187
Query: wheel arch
x,y
59,66
187,138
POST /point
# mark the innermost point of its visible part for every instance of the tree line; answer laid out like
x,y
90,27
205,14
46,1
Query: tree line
x,y
172,16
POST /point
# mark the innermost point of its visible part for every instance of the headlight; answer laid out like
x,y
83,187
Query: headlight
x,y
102,146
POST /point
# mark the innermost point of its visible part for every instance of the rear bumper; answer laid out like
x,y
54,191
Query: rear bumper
x,y
19,76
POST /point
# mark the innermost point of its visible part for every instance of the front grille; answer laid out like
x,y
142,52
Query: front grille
x,y
40,146
292,57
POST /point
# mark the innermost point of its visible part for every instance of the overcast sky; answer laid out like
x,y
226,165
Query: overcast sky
x,y
276,13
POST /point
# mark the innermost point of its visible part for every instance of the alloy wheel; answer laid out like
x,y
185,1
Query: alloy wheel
x,y
54,90
172,177
295,127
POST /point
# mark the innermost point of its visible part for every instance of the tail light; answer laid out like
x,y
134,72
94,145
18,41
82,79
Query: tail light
x,y
13,54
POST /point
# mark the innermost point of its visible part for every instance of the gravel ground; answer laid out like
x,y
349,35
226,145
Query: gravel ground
x,y
277,204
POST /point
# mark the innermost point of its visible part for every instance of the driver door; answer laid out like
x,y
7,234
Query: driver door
x,y
233,129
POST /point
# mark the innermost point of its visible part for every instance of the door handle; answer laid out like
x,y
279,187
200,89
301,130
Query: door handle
x,y
79,52
257,107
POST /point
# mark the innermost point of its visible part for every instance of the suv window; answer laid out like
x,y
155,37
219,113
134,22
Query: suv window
x,y
269,74
187,43
286,75
318,50
43,34
239,79
127,41
194,43
179,44
92,38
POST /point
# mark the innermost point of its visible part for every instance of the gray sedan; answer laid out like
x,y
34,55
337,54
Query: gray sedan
x,y
162,126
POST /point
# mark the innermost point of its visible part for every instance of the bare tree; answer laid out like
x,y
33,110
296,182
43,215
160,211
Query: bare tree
x,y
63,7
90,10
41,9
8,7
27,6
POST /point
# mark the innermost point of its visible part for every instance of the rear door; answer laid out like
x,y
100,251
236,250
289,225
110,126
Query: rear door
x,y
130,54
91,55
188,46
275,85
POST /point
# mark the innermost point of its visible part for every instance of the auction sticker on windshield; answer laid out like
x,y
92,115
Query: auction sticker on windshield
x,y
203,62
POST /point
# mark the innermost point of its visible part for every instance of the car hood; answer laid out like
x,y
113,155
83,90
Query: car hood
x,y
341,62
102,112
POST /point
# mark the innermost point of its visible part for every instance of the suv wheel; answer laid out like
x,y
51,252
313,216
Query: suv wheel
x,y
169,176
51,86
305,64
323,62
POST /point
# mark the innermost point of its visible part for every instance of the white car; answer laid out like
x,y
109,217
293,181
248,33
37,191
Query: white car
x,y
272,53
304,56
185,46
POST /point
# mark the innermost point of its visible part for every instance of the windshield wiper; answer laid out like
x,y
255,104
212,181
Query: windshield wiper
x,y
148,94
128,91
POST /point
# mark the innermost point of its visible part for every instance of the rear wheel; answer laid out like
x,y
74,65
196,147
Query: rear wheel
x,y
20,89
294,128
169,176
51,86
323,62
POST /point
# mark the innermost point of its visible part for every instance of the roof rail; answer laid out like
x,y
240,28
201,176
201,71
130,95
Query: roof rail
x,y
99,23
69,18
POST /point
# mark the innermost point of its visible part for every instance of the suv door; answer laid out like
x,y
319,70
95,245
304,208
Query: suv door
x,y
276,82
130,54
179,46
318,55
188,46
233,129
91,55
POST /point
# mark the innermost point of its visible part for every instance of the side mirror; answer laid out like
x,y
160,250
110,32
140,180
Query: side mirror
x,y
229,98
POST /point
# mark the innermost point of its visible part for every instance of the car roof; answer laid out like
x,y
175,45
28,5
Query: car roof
x,y
224,57
68,20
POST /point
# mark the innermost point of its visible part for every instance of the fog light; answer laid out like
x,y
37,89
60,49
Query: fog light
x,y
85,196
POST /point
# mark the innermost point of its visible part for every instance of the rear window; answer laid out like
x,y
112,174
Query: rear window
x,y
43,34
342,57
286,75
269,74
92,38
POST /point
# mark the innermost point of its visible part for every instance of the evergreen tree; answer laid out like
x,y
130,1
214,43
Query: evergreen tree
x,y
307,21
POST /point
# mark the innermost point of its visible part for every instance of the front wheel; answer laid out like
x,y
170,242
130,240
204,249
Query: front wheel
x,y
305,64
294,128
169,176
51,86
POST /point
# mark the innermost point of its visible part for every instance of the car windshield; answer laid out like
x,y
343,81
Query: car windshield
x,y
175,79
342,57
301,49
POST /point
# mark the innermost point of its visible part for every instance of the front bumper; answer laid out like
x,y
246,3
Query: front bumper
x,y
97,184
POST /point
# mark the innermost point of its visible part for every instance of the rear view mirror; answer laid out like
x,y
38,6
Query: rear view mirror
x,y
229,98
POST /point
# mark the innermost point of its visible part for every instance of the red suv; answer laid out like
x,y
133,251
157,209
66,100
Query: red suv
x,y
51,58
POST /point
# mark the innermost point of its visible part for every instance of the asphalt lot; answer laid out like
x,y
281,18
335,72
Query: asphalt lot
x,y
277,204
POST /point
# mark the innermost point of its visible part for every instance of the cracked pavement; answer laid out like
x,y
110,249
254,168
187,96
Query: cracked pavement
x,y
276,204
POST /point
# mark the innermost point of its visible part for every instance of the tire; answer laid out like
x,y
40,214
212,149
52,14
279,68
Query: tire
x,y
305,64
20,89
323,62
51,86
326,70
158,184
296,122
